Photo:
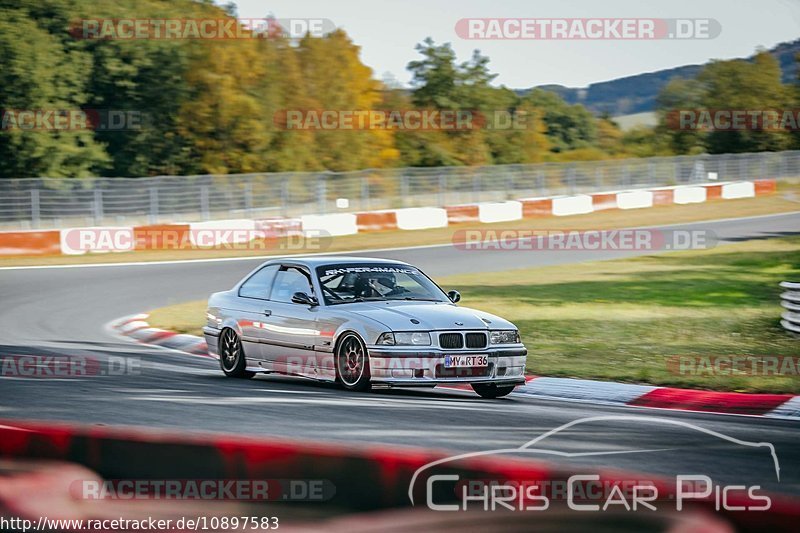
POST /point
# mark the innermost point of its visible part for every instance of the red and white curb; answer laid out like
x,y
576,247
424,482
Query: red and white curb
x,y
138,329
633,395
786,406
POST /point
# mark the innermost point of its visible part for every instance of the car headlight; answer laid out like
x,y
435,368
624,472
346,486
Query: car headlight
x,y
405,338
508,336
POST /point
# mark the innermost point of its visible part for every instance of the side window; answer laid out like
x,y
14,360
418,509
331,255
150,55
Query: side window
x,y
258,285
289,281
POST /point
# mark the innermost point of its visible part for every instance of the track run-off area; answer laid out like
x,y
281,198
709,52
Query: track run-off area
x,y
64,310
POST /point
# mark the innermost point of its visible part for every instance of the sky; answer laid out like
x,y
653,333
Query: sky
x,y
388,30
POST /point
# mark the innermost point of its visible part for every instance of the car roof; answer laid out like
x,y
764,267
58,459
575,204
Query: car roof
x,y
333,260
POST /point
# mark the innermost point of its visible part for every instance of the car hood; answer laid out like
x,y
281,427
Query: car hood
x,y
398,316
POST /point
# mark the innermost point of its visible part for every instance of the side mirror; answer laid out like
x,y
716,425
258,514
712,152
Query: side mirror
x,y
303,298
454,296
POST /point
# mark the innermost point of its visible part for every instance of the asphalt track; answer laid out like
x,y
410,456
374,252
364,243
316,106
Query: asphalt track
x,y
57,310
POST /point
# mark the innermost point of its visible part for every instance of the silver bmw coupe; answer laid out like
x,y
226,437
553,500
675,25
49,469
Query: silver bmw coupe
x,y
360,322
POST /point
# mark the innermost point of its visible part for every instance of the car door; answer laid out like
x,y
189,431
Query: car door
x,y
252,311
291,331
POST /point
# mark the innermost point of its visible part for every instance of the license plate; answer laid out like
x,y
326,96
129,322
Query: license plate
x,y
451,361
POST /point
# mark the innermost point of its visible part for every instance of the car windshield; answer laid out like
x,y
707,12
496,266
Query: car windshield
x,y
360,282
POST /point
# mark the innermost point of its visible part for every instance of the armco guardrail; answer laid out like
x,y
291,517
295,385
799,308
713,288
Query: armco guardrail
x,y
790,300
42,203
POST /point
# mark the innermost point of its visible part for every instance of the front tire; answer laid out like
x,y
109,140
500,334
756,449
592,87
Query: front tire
x,y
491,391
231,356
352,364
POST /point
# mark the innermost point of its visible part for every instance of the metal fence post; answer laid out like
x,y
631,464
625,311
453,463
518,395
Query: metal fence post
x,y
403,190
784,166
364,192
98,207
571,180
204,202
35,208
442,190
322,194
153,205
285,198
248,198
540,182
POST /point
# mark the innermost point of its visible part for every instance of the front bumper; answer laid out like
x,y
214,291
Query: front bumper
x,y
408,366
212,339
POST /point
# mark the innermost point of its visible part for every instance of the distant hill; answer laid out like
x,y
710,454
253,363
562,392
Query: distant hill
x,y
637,94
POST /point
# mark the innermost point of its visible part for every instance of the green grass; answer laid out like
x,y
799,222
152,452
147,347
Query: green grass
x,y
622,320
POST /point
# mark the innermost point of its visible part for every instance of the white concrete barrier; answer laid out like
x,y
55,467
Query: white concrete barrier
x,y
689,195
421,218
500,211
217,232
572,205
740,189
634,199
333,225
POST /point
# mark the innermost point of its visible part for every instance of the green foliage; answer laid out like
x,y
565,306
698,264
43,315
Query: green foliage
x,y
569,127
728,85
212,106
38,73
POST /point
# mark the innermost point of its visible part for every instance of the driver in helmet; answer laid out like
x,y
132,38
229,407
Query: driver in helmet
x,y
378,284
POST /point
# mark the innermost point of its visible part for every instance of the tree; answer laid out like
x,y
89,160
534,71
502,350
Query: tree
x,y
569,127
37,74
745,85
336,79
681,95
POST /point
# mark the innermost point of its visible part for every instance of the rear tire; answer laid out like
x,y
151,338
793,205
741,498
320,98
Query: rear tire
x,y
491,391
352,364
231,356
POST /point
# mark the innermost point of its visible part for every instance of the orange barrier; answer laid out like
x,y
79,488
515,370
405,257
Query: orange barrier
x,y
663,197
537,208
604,201
30,242
161,236
766,186
713,192
458,214
376,221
